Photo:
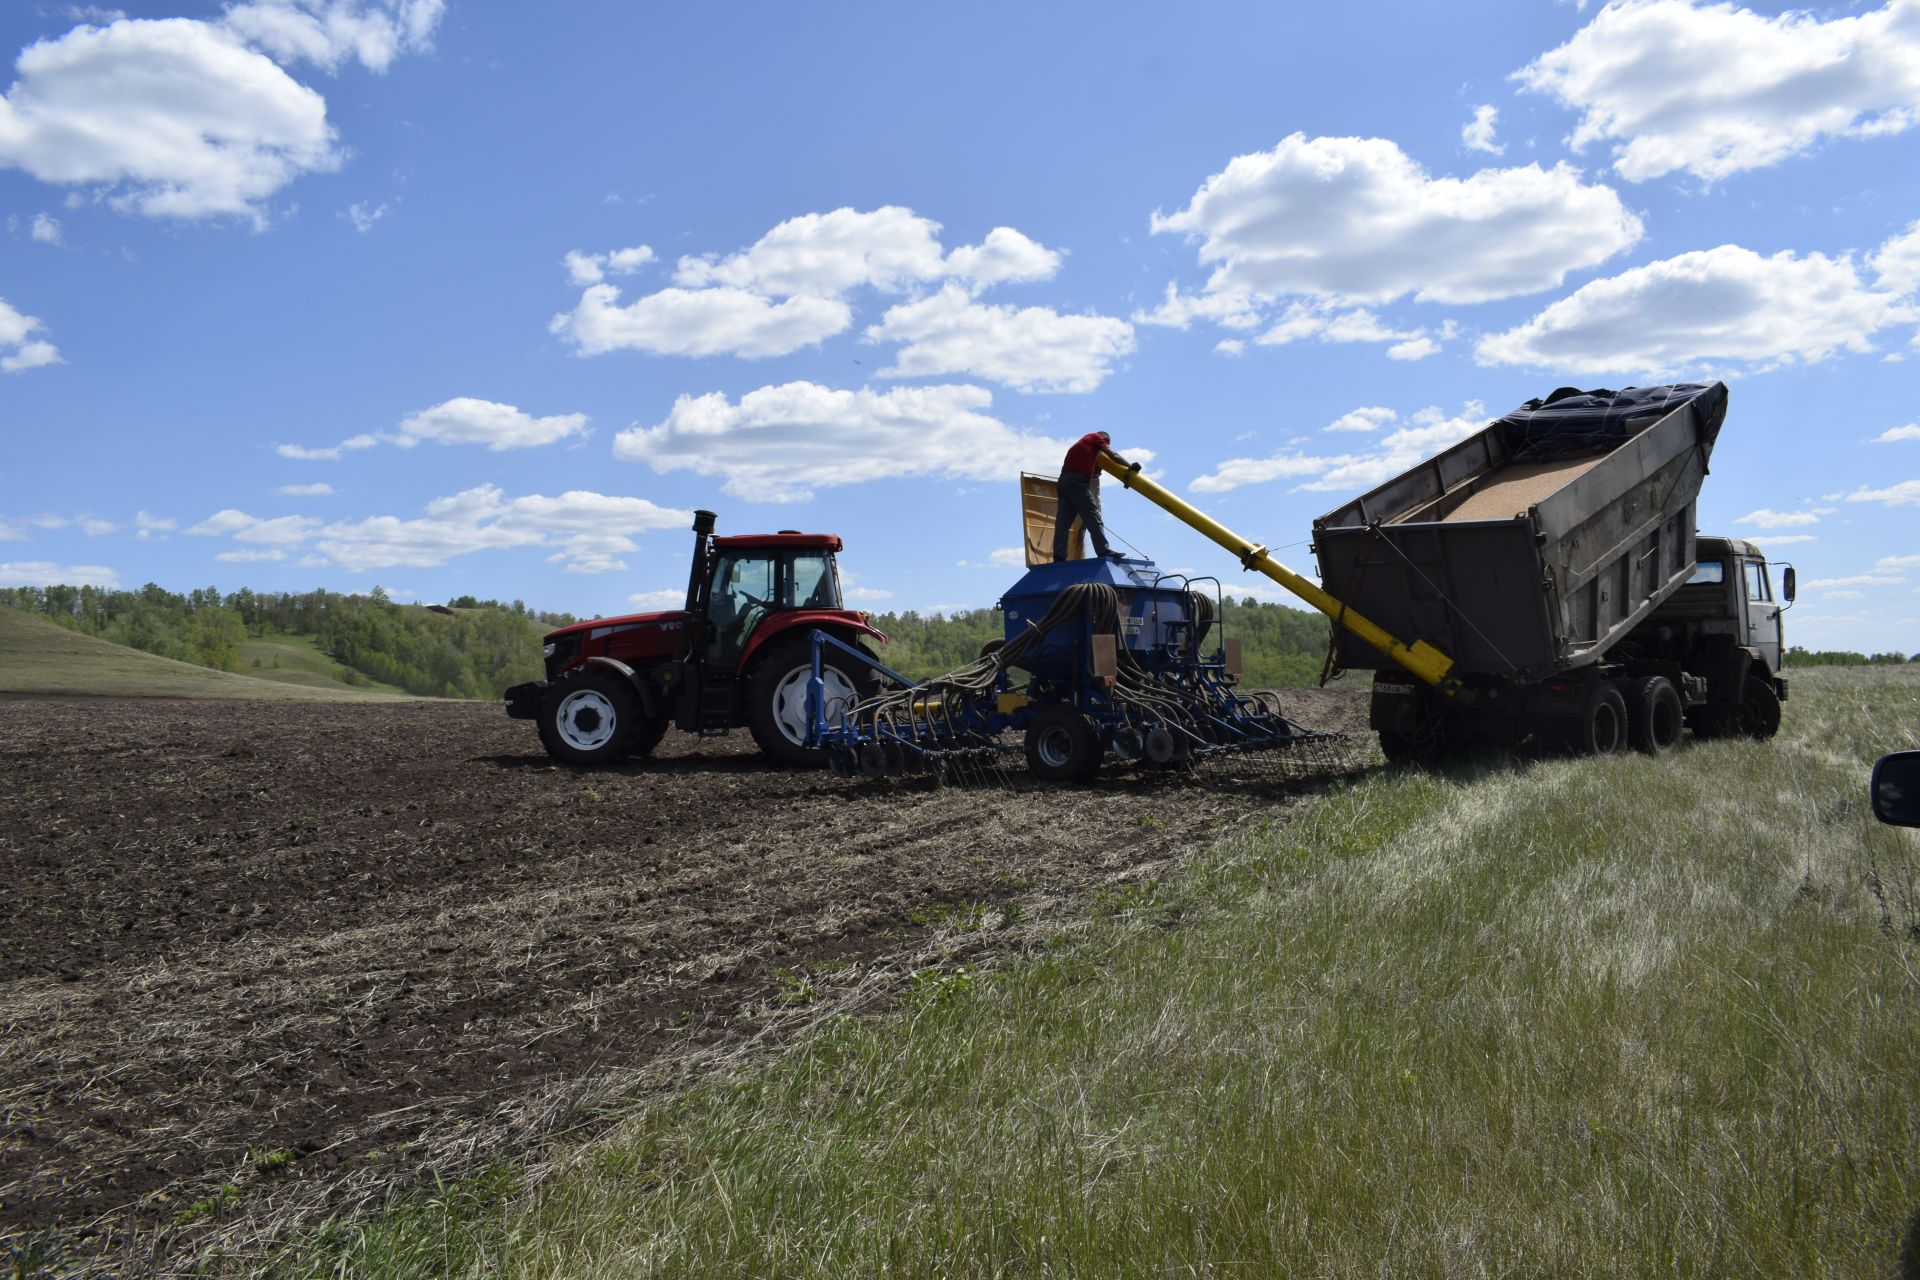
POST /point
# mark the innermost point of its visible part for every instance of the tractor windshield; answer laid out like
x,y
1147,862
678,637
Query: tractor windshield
x,y
748,584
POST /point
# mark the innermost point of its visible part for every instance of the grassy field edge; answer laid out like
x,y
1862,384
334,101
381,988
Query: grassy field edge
x,y
1564,1017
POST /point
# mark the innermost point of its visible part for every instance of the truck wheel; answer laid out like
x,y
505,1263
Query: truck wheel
x,y
1601,727
1759,710
590,717
1655,715
777,700
1062,746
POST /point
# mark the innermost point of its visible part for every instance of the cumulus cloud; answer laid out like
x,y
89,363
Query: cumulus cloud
x,y
1228,308
592,268
45,573
170,118
1029,349
999,558
780,443
1478,133
699,322
19,349
1357,221
1766,518
320,490
589,529
1776,86
46,229
1714,305
1427,432
362,217
1904,494
664,598
146,526
1781,539
1323,323
328,32
461,420
1856,580
1909,432
788,289
1897,262
1366,418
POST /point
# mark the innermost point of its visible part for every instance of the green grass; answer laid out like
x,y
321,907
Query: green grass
x,y
298,660
38,657
1572,1018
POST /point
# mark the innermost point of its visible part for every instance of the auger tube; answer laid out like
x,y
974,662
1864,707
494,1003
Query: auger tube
x,y
1420,657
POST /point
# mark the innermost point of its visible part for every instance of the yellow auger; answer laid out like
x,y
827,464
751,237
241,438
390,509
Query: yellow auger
x,y
1420,658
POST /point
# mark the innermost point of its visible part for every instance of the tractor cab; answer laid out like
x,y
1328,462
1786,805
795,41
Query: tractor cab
x,y
756,577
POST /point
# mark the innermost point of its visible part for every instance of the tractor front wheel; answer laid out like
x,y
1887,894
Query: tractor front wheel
x,y
591,717
777,700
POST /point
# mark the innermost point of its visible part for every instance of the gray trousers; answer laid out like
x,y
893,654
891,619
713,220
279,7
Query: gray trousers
x,y
1079,496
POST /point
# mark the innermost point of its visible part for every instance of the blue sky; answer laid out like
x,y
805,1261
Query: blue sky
x,y
460,298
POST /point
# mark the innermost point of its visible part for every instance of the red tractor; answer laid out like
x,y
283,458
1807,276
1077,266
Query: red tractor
x,y
740,653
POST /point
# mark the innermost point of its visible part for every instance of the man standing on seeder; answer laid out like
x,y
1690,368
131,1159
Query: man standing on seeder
x,y
1080,495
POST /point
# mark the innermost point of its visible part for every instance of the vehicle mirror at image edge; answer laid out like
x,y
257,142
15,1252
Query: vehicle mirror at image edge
x,y
1896,789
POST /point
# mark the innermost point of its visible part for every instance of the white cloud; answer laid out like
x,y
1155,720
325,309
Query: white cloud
x,y
1888,564
147,525
22,350
252,556
11,532
699,322
1909,432
300,453
1904,494
319,490
1897,262
1234,310
171,118
1715,89
1030,349
1413,349
779,443
1782,539
465,420
592,268
1230,347
46,229
589,529
1770,519
824,255
1713,305
1004,256
999,558
664,598
868,593
1478,133
45,573
1429,431
362,217
94,527
1846,595
1366,418
1355,220
328,32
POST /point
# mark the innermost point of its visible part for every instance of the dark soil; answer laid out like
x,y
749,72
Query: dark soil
x,y
289,949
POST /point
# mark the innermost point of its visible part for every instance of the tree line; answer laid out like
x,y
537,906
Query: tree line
x,y
1798,657
476,652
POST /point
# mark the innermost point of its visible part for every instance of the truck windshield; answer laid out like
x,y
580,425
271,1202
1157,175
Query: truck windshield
x,y
1757,586
1708,571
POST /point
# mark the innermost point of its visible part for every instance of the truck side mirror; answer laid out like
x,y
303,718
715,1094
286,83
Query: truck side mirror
x,y
1786,584
1896,789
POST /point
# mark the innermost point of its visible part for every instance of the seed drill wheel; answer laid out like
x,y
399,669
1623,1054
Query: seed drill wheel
x,y
777,699
1655,715
593,717
1062,746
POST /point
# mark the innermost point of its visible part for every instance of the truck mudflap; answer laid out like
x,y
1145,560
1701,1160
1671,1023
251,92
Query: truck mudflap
x,y
523,700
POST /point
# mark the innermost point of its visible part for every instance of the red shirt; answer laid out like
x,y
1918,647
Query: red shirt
x,y
1084,457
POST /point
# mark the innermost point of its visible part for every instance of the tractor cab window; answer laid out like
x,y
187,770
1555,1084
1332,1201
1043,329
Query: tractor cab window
x,y
744,587
1708,571
1757,586
814,585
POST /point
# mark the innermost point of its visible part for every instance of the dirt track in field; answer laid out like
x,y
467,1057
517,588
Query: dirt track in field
x,y
311,951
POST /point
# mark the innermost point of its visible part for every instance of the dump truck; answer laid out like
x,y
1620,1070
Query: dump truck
x,y
1543,580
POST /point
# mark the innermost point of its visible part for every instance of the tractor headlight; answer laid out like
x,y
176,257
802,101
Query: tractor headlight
x,y
546,650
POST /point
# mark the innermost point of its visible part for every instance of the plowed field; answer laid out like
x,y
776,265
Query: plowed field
x,y
261,960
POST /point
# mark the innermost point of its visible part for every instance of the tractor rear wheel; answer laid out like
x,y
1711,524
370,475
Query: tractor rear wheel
x,y
591,717
777,699
1063,746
